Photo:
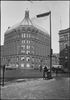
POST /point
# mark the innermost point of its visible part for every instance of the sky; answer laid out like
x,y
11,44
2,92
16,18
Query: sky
x,y
13,12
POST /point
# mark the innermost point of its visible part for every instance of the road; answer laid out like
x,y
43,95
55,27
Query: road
x,y
56,88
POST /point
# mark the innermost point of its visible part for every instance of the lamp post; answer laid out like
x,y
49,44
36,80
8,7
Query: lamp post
x,y
43,15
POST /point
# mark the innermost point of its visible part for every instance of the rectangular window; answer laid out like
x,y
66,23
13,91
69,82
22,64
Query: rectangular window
x,y
27,41
29,35
22,65
23,41
22,51
28,47
23,46
24,35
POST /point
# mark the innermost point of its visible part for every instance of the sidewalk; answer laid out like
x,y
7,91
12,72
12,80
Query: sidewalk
x,y
59,75
56,88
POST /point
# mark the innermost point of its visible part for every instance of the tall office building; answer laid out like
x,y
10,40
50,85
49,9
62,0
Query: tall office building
x,y
64,43
26,45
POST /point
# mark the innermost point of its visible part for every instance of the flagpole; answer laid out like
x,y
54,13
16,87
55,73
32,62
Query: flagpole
x,y
42,15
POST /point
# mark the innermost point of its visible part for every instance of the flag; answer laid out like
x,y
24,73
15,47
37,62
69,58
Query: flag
x,y
44,14
42,20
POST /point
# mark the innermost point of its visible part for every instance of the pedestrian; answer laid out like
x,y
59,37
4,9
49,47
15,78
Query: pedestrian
x,y
45,72
40,68
56,71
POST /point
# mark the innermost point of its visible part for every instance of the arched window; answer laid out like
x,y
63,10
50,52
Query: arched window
x,y
22,58
27,58
27,52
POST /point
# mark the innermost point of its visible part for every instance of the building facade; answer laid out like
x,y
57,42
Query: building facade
x,y
64,43
26,45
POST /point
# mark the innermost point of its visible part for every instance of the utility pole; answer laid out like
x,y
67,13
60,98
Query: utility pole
x,y
3,75
50,45
43,15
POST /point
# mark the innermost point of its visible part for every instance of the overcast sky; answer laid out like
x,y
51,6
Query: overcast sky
x,y
12,12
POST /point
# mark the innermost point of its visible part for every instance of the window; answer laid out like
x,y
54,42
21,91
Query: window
x,y
23,41
22,58
28,65
28,58
22,65
27,52
17,65
23,46
28,47
24,35
29,35
66,37
22,51
27,41
61,38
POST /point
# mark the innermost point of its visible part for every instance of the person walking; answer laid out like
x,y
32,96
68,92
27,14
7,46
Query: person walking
x,y
40,68
45,72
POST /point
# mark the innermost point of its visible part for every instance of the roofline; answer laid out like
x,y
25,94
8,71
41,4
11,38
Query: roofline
x,y
64,31
12,30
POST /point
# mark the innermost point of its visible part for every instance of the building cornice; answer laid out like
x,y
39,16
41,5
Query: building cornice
x,y
64,31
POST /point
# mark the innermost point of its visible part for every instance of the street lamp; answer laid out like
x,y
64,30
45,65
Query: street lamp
x,y
43,15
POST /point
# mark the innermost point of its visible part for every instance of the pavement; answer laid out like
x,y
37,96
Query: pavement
x,y
55,88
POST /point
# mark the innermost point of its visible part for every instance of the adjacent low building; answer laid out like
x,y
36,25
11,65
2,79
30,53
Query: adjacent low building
x,y
64,43
26,45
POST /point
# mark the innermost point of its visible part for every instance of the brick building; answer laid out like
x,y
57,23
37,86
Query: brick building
x,y
64,43
26,45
